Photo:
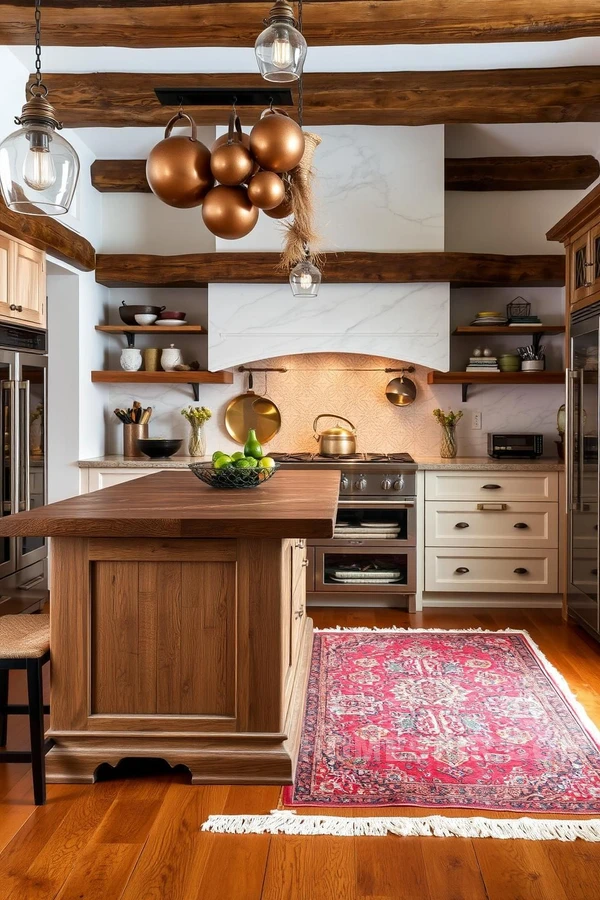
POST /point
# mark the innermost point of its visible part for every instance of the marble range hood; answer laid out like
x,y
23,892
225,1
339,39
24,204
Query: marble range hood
x,y
250,322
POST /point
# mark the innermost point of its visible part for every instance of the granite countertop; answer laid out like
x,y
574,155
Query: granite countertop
x,y
425,463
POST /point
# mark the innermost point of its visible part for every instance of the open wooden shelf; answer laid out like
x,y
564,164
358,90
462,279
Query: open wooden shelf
x,y
150,329
509,329
494,378
194,378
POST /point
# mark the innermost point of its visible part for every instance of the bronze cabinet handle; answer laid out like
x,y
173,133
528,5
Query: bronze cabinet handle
x,y
462,525
521,571
520,525
15,307
462,570
594,572
491,487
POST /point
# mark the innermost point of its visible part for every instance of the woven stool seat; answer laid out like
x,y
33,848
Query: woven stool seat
x,y
24,637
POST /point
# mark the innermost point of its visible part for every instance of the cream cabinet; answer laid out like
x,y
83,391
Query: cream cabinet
x,y
94,479
22,283
492,531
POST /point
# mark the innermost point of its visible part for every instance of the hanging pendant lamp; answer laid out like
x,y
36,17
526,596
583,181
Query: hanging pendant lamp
x,y
305,278
38,167
281,48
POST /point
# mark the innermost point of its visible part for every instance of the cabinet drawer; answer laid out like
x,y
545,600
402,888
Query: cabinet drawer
x,y
459,524
491,486
491,570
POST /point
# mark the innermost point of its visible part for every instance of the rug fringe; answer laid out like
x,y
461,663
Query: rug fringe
x,y
396,628
289,822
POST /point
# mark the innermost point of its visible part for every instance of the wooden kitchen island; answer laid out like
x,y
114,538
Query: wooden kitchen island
x,y
178,623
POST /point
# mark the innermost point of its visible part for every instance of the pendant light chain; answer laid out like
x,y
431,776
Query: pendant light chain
x,y
301,79
39,84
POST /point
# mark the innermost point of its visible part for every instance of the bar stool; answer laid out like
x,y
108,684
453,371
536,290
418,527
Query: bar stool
x,y
25,644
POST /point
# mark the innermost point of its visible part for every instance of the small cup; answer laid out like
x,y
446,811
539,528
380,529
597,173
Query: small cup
x,y
145,319
151,359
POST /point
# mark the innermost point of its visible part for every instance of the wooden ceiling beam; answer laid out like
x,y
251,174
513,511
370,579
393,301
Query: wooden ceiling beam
x,y
125,176
113,99
460,269
48,234
202,23
521,173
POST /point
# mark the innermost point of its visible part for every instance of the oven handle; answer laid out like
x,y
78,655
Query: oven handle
x,y
379,504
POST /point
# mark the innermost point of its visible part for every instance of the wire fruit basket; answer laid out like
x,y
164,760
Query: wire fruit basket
x,y
230,477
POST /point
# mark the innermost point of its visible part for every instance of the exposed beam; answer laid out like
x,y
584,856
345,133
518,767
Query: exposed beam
x,y
521,173
120,176
113,99
200,269
202,23
48,234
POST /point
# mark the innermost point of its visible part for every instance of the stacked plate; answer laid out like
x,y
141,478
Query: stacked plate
x,y
489,318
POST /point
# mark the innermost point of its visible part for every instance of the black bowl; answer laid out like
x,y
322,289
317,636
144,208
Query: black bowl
x,y
128,313
159,448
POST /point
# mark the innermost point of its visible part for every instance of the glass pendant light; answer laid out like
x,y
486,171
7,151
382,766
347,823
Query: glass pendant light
x,y
280,49
305,278
38,167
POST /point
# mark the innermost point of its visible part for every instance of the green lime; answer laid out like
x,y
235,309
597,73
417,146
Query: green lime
x,y
252,463
237,455
222,461
267,463
217,454
242,464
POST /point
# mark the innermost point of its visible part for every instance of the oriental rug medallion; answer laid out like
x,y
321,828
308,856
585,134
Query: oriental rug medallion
x,y
468,719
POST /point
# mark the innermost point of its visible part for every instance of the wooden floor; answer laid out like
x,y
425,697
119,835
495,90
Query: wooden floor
x,y
138,838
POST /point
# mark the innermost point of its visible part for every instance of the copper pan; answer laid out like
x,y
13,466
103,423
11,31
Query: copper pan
x,y
250,410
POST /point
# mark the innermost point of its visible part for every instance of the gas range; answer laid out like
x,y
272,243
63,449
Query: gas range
x,y
385,476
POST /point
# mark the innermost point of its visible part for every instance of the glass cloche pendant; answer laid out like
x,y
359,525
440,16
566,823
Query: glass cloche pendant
x,y
38,167
305,278
280,49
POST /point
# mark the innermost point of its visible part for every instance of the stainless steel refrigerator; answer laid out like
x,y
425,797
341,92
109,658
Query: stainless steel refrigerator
x,y
582,468
23,382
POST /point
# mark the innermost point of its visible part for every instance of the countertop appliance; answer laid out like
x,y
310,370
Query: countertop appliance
x,y
23,382
581,436
515,446
372,554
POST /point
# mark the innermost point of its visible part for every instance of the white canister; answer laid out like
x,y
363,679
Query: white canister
x,y
131,359
170,358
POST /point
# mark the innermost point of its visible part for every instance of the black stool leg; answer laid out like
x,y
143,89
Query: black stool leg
x,y
3,705
36,729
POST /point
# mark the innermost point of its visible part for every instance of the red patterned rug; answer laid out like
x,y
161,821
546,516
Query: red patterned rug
x,y
469,719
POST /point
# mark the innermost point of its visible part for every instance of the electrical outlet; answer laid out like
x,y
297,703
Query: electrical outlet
x,y
476,421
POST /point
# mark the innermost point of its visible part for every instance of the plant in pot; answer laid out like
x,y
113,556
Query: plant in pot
x,y
448,422
533,358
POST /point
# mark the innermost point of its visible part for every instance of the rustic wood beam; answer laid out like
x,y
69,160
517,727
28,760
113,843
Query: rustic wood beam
x,y
200,269
120,176
202,23
521,173
113,99
48,234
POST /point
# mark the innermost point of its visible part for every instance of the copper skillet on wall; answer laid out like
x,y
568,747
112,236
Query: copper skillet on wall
x,y
250,410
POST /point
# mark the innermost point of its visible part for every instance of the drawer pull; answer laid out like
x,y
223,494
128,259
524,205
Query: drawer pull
x,y
594,572
13,306
491,487
305,563
595,528
462,525
520,525
521,571
462,570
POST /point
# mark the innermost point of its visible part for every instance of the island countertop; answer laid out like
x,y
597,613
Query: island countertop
x,y
299,504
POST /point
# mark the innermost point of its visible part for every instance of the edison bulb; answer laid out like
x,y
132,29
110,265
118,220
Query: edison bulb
x,y
39,171
305,279
282,53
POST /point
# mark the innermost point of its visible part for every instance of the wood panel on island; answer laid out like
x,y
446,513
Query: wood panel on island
x,y
124,99
233,23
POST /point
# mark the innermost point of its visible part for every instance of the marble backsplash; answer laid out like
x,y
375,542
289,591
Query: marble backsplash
x,y
352,386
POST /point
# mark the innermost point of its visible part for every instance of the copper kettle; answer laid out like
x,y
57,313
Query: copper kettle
x,y
336,441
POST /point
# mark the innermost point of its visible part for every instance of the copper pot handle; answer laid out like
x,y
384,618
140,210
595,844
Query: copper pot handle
x,y
172,122
234,134
274,111
332,416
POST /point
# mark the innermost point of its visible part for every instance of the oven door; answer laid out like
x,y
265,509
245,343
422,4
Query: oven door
x,y
368,522
343,567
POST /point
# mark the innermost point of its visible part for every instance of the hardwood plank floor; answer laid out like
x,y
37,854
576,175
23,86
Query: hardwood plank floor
x,y
138,838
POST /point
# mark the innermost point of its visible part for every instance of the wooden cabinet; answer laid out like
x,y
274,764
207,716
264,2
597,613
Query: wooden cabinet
x,y
22,283
579,231
293,614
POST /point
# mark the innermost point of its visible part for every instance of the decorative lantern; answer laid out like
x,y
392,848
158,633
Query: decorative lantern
x,y
281,48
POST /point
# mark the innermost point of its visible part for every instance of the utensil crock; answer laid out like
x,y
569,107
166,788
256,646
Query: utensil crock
x,y
131,433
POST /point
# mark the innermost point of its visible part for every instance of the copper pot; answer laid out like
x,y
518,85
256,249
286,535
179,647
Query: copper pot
x,y
282,211
276,141
178,168
228,213
335,441
245,141
266,190
231,163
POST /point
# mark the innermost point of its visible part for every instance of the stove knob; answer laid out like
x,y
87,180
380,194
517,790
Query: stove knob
x,y
361,483
399,483
386,484
344,483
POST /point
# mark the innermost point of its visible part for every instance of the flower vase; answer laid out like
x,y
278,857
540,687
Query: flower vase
x,y
448,442
197,442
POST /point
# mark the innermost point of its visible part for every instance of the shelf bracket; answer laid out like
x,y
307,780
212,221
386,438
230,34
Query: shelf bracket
x,y
195,390
465,391
130,339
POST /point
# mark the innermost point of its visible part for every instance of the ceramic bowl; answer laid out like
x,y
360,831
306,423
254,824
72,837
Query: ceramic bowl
x,y
128,313
145,319
159,448
172,314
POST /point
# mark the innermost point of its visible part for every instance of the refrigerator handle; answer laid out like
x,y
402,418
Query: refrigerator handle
x,y
574,441
10,388
14,446
25,499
